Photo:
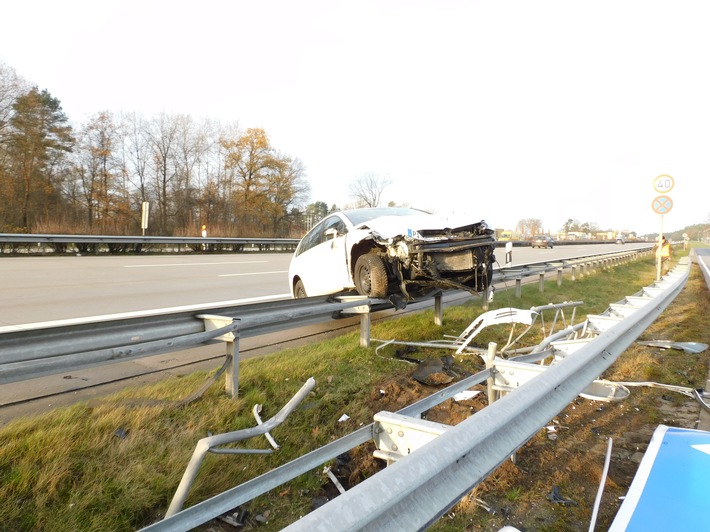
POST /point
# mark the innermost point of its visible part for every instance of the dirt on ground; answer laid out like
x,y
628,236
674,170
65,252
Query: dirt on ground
x,y
553,481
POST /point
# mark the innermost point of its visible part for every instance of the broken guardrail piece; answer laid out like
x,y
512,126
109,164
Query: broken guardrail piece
x,y
212,443
688,347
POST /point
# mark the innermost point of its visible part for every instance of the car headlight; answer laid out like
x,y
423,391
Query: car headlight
x,y
399,250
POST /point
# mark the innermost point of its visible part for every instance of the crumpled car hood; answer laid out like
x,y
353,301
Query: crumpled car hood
x,y
412,226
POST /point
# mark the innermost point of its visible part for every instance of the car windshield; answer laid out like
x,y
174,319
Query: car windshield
x,y
358,216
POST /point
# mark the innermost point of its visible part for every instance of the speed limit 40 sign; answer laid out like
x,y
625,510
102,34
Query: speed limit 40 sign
x,y
663,184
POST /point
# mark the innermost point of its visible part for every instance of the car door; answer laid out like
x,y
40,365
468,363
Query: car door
x,y
324,267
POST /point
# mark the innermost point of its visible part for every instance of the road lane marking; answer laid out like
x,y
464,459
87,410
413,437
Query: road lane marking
x,y
252,273
141,313
191,264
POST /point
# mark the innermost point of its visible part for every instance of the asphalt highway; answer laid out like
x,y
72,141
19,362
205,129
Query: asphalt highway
x,y
46,288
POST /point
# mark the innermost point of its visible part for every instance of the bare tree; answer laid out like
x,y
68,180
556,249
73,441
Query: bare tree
x,y
162,133
135,154
11,87
99,170
286,192
367,189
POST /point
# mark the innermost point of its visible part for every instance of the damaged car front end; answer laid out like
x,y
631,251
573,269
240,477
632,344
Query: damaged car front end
x,y
460,257
383,252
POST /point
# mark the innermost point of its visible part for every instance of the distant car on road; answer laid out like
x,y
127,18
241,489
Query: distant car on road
x,y
380,252
620,240
542,241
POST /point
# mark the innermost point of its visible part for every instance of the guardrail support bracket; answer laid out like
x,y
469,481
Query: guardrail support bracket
x,y
231,340
397,435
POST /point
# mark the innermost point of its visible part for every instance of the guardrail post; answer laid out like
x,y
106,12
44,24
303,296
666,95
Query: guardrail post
x,y
365,329
574,272
542,281
231,382
559,276
231,341
490,381
519,287
438,311
364,312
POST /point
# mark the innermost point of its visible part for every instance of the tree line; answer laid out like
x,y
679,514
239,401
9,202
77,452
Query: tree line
x,y
94,178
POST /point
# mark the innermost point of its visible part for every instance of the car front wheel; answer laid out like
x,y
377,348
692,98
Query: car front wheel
x,y
371,276
299,291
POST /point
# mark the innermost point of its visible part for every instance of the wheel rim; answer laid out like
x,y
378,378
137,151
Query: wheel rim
x,y
365,279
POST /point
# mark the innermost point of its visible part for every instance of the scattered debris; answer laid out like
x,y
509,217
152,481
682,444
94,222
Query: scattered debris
x,y
235,519
688,347
344,417
606,391
435,371
466,394
263,518
256,411
334,479
401,354
555,497
318,501
121,433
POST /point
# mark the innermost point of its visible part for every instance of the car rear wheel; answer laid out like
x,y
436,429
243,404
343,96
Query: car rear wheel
x,y
299,291
371,276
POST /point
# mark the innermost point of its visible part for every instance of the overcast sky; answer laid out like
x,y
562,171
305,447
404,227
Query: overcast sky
x,y
500,109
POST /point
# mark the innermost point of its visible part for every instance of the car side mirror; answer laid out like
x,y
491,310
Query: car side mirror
x,y
331,233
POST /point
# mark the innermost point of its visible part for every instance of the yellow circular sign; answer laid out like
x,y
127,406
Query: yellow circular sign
x,y
663,184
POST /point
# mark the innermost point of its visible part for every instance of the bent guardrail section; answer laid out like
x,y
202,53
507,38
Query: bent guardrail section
x,y
213,443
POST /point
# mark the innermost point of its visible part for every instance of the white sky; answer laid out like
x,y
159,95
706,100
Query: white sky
x,y
501,109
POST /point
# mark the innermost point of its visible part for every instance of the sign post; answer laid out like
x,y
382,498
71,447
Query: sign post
x,y
661,205
144,216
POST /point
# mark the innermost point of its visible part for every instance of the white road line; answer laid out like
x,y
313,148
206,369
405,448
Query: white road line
x,y
191,264
252,273
140,313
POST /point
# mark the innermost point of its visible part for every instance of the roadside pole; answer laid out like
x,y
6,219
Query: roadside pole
x,y
661,205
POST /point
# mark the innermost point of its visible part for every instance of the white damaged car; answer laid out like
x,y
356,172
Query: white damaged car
x,y
391,251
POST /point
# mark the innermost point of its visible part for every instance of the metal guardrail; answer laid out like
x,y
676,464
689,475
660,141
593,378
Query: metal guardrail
x,y
418,488
57,243
695,253
42,243
35,350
